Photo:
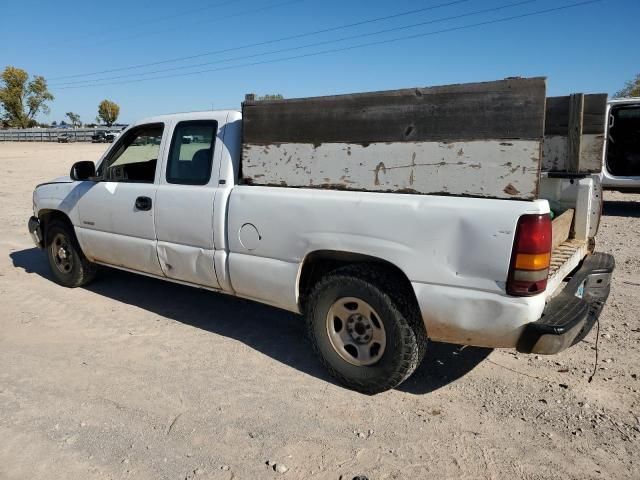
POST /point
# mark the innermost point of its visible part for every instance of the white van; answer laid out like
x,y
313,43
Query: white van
x,y
621,159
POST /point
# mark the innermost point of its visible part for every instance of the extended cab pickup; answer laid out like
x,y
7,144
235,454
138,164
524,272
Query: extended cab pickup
x,y
461,248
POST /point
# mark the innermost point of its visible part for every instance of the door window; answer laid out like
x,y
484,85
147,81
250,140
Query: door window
x,y
134,157
191,153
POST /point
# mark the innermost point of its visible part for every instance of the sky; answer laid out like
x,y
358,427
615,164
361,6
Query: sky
x,y
588,48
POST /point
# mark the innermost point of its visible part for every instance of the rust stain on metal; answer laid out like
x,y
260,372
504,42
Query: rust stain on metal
x,y
511,190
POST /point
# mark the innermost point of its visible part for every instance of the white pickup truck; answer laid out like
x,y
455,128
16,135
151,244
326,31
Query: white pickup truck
x,y
375,273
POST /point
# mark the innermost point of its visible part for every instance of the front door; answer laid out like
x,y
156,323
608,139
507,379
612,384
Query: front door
x,y
116,213
184,214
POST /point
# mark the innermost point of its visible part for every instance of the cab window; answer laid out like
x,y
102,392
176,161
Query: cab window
x,y
191,153
134,157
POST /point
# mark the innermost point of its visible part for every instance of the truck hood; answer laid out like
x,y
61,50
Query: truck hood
x,y
64,179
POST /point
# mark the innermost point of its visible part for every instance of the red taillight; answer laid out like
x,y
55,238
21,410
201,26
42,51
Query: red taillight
x,y
531,256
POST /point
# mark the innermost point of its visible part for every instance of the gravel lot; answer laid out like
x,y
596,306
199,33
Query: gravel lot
x,y
136,378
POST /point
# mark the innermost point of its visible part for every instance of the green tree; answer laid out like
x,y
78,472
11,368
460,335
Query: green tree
x,y
108,112
22,99
270,96
74,118
631,88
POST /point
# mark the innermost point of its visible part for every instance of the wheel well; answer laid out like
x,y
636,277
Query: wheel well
x,y
47,216
318,264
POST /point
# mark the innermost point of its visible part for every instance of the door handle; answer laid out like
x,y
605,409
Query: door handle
x,y
143,203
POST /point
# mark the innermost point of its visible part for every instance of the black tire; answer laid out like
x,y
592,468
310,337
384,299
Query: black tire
x,y
387,294
74,270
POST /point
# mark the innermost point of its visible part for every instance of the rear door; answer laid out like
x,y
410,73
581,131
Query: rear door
x,y
185,202
622,158
116,214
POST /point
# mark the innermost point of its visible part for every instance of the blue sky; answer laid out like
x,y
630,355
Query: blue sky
x,y
590,48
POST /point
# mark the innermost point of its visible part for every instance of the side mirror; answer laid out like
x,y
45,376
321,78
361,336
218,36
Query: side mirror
x,y
84,170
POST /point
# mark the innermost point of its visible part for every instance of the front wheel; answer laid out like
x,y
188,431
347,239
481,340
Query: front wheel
x,y
366,328
68,264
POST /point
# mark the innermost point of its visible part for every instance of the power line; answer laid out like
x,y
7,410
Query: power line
x,y
352,47
308,45
266,42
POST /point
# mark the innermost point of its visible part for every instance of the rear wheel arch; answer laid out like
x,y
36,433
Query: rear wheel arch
x,y
320,263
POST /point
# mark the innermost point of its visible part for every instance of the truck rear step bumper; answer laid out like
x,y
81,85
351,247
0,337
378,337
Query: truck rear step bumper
x,y
570,315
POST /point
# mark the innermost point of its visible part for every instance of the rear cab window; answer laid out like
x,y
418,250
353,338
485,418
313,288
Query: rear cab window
x,y
191,154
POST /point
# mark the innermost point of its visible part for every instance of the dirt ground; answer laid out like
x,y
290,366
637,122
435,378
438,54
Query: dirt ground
x,y
136,378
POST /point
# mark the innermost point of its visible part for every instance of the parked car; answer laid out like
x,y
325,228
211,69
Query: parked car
x,y
98,137
383,225
621,160
111,136
65,138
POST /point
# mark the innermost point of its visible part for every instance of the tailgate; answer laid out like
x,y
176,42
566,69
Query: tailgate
x,y
576,205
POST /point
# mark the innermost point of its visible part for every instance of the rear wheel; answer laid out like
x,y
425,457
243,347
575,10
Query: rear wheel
x,y
366,328
68,264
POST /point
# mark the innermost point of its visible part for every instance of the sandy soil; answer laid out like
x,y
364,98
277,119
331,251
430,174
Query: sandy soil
x,y
136,378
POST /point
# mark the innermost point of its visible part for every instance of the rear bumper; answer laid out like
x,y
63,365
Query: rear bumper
x,y
569,316
35,231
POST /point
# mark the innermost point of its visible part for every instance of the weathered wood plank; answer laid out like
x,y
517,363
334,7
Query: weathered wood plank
x,y
556,149
483,168
561,227
574,136
506,109
593,120
554,153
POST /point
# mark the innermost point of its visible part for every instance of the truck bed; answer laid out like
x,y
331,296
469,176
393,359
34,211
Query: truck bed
x,y
478,140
